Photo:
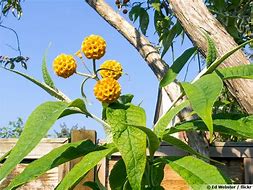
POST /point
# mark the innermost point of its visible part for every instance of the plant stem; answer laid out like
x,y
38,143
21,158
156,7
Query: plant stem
x,y
100,121
95,69
85,75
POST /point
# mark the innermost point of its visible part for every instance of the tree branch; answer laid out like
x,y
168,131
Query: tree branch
x,y
195,17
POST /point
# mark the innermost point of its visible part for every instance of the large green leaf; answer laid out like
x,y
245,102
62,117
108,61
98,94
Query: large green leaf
x,y
56,93
153,141
47,78
202,96
240,127
196,172
88,162
118,176
176,67
36,127
53,159
164,121
242,71
130,141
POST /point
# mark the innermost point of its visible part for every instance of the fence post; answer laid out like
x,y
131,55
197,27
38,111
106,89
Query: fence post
x,y
77,135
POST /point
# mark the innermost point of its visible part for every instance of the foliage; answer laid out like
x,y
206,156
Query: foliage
x,y
7,61
125,125
235,16
65,131
13,6
15,128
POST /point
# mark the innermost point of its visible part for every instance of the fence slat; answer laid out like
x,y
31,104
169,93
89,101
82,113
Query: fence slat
x,y
77,135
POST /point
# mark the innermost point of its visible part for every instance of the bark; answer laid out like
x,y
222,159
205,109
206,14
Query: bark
x,y
149,54
195,18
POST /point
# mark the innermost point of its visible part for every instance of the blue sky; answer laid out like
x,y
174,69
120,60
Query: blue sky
x,y
64,24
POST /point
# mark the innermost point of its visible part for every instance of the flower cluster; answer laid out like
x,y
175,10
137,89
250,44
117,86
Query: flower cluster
x,y
93,47
111,68
64,65
107,89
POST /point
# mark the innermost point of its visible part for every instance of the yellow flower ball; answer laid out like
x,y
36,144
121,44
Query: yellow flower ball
x,y
111,68
107,90
64,65
93,47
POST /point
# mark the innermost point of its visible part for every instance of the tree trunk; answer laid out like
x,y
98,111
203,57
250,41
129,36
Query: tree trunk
x,y
195,18
150,55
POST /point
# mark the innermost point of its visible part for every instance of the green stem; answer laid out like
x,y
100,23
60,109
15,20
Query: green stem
x,y
100,121
82,88
95,69
151,171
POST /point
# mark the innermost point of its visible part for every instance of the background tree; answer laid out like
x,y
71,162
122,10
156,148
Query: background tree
x,y
15,128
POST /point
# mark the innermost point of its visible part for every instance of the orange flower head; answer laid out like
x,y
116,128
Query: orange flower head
x,y
111,68
64,65
107,90
93,47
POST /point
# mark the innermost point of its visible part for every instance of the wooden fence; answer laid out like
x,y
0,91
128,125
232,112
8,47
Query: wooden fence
x,y
238,158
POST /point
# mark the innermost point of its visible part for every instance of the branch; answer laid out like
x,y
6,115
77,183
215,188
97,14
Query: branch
x,y
143,46
195,17
17,38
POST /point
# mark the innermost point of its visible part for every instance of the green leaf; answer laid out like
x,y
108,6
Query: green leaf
x,y
211,50
153,140
169,37
242,71
130,141
56,93
237,127
176,67
156,6
91,184
77,106
158,175
88,162
127,98
36,127
134,13
216,63
118,176
196,172
53,159
183,146
144,20
47,78
164,121
202,96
